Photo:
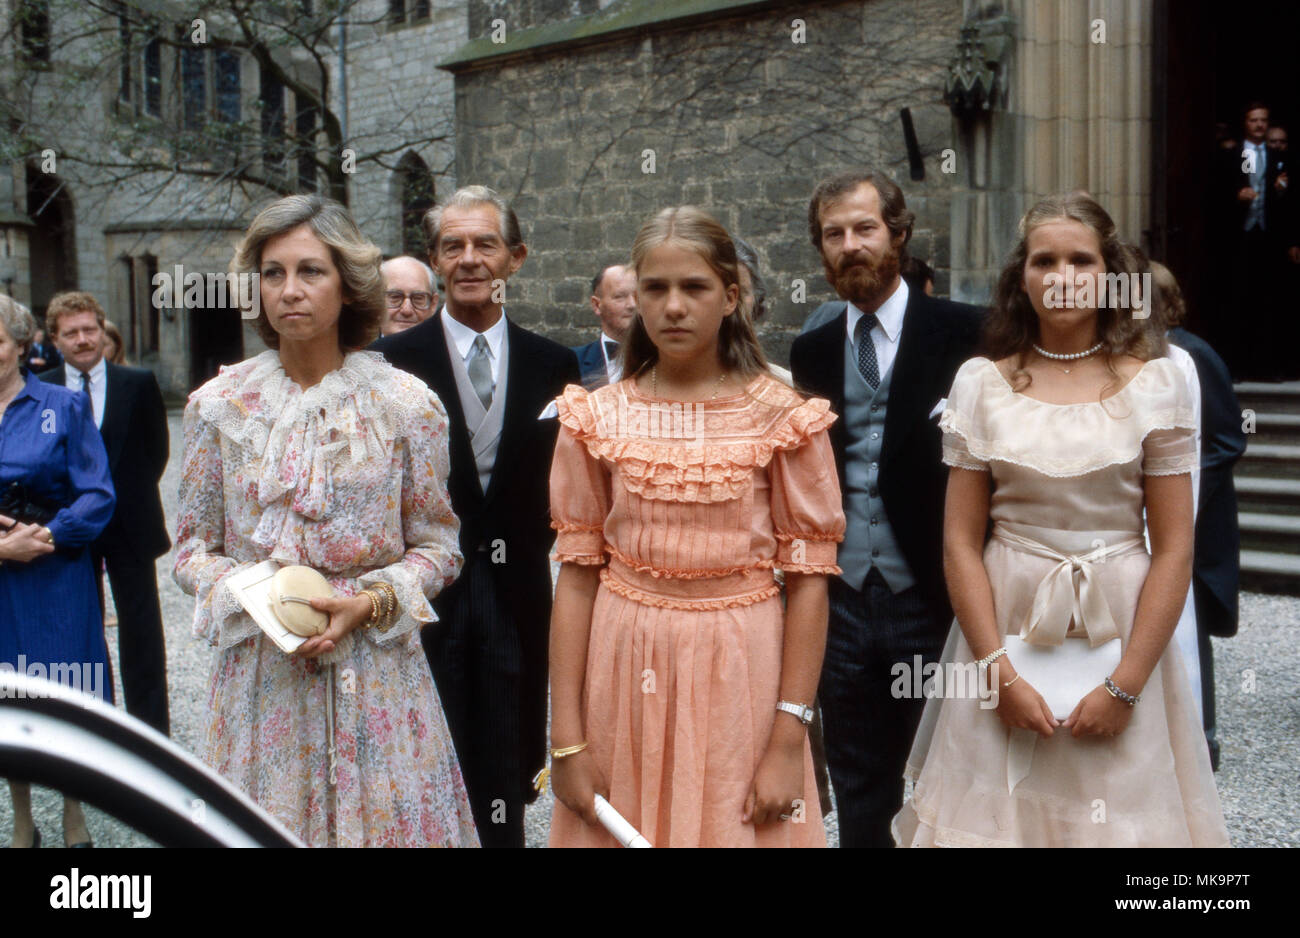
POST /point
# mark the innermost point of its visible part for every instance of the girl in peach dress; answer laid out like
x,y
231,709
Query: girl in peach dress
x,y
676,492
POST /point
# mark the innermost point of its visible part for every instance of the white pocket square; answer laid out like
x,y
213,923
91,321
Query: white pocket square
x,y
938,408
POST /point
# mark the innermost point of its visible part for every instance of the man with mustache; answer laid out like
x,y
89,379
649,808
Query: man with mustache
x,y
885,361
129,411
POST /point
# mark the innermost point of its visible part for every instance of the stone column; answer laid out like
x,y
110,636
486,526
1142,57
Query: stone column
x,y
1077,114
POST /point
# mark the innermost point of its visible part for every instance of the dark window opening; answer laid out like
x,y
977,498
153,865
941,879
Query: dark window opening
x,y
194,87
226,67
153,78
124,69
34,26
417,198
305,127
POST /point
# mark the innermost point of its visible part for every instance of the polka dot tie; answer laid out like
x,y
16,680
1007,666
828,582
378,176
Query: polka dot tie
x,y
867,363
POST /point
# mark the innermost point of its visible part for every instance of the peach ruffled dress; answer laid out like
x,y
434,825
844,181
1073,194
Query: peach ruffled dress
x,y
689,508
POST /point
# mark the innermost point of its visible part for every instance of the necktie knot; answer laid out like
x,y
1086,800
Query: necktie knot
x,y
611,348
85,382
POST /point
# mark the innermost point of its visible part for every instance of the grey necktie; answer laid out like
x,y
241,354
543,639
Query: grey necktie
x,y
867,363
480,371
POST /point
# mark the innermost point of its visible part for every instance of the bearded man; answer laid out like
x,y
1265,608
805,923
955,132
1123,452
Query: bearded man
x,y
885,361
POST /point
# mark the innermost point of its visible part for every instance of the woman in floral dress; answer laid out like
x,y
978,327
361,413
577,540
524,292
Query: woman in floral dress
x,y
315,454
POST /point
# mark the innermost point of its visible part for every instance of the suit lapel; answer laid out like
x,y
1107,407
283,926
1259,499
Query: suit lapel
x,y
117,410
443,382
912,375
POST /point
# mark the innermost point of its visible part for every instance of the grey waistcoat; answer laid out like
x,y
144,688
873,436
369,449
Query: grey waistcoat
x,y
484,425
869,539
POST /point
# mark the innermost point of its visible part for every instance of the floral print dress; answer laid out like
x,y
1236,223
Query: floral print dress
x,y
347,477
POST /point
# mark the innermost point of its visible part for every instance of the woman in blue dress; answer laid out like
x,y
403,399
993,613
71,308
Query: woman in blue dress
x,y
50,620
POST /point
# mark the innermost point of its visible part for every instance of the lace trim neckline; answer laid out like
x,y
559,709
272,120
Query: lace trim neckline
x,y
1105,400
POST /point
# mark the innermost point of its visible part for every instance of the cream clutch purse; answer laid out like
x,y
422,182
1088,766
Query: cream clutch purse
x,y
1066,673
292,590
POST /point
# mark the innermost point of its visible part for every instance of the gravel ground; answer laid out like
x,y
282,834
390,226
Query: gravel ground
x,y
1259,715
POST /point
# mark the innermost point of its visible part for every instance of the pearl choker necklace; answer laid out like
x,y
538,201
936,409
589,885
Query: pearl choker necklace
x,y
1073,356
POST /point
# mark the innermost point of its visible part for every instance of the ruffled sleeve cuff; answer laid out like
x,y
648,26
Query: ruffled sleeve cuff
x,y
808,553
219,619
414,609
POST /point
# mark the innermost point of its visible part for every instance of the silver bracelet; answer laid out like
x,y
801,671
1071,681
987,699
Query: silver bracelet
x,y
1113,689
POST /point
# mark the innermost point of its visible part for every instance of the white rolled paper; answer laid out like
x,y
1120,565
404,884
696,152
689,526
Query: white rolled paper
x,y
616,824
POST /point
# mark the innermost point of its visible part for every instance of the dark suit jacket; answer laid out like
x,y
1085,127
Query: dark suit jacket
x,y
1216,565
516,507
937,337
135,435
1233,179
591,363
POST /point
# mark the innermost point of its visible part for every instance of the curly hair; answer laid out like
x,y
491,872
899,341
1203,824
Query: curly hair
x,y
356,258
1011,328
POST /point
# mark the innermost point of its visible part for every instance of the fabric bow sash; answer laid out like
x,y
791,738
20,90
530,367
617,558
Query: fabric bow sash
x,y
1069,591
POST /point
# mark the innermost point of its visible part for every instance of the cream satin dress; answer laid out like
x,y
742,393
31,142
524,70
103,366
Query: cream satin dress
x,y
1067,487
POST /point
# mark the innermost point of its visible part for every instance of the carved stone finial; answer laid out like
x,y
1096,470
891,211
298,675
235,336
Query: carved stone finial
x,y
979,76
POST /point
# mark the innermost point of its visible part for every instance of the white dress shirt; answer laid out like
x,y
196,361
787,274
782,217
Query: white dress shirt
x,y
613,371
462,337
885,334
98,386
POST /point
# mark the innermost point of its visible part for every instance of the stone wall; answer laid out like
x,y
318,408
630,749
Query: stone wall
x,y
734,115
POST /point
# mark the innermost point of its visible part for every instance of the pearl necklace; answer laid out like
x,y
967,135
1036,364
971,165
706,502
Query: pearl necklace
x,y
654,383
1068,357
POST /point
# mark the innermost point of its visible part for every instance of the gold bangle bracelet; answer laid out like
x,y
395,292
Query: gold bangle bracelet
x,y
374,609
568,751
1012,681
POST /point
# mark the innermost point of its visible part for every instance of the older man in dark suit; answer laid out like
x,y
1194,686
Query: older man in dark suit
x,y
613,300
885,361
488,651
129,412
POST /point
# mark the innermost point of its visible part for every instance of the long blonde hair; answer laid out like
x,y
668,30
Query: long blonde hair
x,y
695,229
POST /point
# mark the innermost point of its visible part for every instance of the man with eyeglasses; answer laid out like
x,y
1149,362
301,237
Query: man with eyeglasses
x,y
410,296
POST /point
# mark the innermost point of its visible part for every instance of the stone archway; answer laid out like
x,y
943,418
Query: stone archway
x,y
52,240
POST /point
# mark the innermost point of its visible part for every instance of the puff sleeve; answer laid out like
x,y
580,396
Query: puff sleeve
x,y
1170,446
962,421
580,484
807,508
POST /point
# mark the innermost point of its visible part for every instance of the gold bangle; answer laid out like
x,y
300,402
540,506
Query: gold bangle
x,y
1012,681
389,614
374,609
568,751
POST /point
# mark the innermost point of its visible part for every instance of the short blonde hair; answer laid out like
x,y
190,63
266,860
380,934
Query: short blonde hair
x,y
67,303
356,259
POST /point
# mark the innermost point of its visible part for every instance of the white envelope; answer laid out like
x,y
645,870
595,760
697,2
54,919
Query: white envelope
x,y
1066,673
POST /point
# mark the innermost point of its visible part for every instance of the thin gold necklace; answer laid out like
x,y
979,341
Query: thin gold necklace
x,y
654,383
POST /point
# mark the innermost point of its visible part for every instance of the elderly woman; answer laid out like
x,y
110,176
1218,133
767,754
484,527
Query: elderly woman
x,y
56,495
317,454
